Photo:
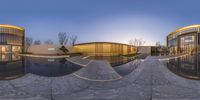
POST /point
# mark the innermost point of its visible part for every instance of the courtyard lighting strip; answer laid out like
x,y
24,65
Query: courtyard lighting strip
x,y
94,80
83,65
164,59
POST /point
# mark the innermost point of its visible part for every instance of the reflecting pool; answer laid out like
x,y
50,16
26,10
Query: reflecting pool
x,y
186,66
13,66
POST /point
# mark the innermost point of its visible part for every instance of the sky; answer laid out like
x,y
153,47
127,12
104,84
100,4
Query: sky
x,y
100,20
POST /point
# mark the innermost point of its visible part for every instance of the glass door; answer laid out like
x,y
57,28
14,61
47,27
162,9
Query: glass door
x,y
188,44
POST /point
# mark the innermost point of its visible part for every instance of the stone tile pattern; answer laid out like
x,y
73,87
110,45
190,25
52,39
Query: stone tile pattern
x,y
151,80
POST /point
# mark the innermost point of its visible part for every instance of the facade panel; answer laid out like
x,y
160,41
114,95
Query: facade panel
x,y
11,39
184,40
104,49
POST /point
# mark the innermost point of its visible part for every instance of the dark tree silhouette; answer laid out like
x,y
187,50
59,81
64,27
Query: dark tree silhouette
x,y
137,43
73,39
48,42
28,43
63,38
64,49
37,42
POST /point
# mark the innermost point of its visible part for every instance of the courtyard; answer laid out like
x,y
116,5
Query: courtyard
x,y
149,79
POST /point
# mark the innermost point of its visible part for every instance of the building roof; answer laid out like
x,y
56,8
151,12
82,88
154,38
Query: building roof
x,y
185,28
11,26
101,42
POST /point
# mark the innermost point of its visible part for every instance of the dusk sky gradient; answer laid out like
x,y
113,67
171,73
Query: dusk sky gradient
x,y
101,20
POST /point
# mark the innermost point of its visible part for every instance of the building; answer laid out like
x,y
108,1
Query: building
x,y
45,49
144,49
11,39
151,50
104,49
184,40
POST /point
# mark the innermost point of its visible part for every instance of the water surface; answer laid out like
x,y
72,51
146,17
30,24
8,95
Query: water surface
x,y
186,66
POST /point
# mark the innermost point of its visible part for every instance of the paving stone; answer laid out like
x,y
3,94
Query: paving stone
x,y
98,70
150,80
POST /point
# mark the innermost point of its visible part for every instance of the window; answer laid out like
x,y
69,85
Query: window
x,y
51,49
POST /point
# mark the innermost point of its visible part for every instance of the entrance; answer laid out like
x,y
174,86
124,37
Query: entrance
x,y
4,49
188,44
16,49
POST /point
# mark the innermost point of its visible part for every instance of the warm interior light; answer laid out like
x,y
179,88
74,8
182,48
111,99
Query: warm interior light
x,y
3,49
10,26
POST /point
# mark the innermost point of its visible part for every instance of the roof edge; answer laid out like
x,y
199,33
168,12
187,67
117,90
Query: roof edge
x,y
185,28
12,26
101,42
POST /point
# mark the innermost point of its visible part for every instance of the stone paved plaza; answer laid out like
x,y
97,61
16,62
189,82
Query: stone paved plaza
x,y
151,80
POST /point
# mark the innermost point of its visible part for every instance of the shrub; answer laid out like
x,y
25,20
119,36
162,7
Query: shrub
x,y
64,49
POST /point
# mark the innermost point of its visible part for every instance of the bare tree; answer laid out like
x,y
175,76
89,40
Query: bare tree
x,y
137,43
73,39
49,42
63,38
161,49
66,40
158,44
28,43
37,42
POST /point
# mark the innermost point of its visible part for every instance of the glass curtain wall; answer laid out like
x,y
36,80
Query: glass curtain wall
x,y
11,39
104,49
188,44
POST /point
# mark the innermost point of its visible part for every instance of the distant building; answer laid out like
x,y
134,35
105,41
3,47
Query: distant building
x,y
184,40
48,49
152,50
144,49
104,49
11,39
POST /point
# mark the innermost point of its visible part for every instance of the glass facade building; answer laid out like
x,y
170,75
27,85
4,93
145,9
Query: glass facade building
x,y
185,40
104,49
11,39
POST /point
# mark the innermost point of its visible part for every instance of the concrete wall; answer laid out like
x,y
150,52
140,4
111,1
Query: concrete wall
x,y
144,49
104,49
48,49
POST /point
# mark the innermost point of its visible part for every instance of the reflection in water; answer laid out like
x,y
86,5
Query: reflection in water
x,y
13,66
186,66
11,70
50,67
114,61
9,57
